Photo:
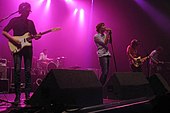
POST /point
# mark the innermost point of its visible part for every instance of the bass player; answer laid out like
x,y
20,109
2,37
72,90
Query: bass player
x,y
135,60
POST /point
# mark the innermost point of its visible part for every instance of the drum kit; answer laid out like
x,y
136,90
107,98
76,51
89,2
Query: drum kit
x,y
47,65
42,67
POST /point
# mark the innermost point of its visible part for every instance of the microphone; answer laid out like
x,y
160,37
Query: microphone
x,y
108,29
139,42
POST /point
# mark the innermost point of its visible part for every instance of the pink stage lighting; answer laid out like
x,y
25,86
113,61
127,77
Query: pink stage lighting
x,y
81,15
48,2
68,0
75,11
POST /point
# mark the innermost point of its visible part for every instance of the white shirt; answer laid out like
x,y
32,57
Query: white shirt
x,y
43,56
102,48
154,57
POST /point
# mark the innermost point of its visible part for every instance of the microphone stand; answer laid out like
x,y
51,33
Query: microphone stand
x,y
114,59
1,100
8,16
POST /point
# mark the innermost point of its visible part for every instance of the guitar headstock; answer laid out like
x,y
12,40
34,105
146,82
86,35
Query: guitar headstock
x,y
55,29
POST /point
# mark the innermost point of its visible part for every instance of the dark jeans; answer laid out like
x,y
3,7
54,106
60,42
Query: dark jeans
x,y
26,53
104,63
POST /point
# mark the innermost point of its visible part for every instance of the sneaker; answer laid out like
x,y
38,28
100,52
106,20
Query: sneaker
x,y
27,96
17,100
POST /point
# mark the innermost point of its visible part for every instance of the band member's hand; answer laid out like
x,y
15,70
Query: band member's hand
x,y
108,29
143,60
38,36
160,62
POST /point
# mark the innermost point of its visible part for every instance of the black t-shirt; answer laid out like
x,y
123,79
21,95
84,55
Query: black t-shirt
x,y
20,26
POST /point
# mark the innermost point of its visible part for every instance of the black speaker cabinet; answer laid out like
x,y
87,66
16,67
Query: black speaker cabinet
x,y
127,85
161,103
69,88
159,84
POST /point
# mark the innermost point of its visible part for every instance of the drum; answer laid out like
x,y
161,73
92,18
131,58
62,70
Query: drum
x,y
60,62
42,64
38,81
51,65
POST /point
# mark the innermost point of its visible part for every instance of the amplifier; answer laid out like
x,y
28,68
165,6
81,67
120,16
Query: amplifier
x,y
3,68
4,85
3,62
3,72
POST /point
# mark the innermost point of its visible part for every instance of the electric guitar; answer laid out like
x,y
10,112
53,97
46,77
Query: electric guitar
x,y
139,61
25,40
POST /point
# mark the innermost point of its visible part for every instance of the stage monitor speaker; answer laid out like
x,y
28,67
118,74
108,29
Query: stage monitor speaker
x,y
127,85
161,103
159,84
64,87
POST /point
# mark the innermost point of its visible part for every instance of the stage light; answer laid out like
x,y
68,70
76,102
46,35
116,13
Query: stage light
x,y
81,15
40,2
48,2
75,11
68,0
158,17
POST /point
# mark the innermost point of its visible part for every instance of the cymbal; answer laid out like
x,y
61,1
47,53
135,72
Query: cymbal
x,y
58,58
49,59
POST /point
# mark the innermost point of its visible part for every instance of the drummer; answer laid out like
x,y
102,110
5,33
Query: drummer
x,y
43,56
43,60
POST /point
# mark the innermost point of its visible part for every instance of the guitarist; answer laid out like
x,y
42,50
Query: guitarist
x,y
155,64
21,25
132,53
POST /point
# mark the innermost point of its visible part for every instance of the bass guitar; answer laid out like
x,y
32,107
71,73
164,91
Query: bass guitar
x,y
25,40
139,61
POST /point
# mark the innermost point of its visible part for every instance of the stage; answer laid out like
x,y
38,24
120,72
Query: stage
x,y
138,105
79,91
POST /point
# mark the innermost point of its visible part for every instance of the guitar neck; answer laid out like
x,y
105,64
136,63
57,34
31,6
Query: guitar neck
x,y
45,32
51,30
144,58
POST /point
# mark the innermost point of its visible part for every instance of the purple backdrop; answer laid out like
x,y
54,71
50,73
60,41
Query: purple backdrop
x,y
126,18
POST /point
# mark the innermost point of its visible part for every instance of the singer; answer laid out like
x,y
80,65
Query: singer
x,y
102,39
21,25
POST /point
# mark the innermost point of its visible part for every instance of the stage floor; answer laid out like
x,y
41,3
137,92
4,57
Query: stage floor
x,y
6,100
6,105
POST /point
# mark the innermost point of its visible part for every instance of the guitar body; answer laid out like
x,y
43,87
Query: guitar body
x,y
24,40
139,61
